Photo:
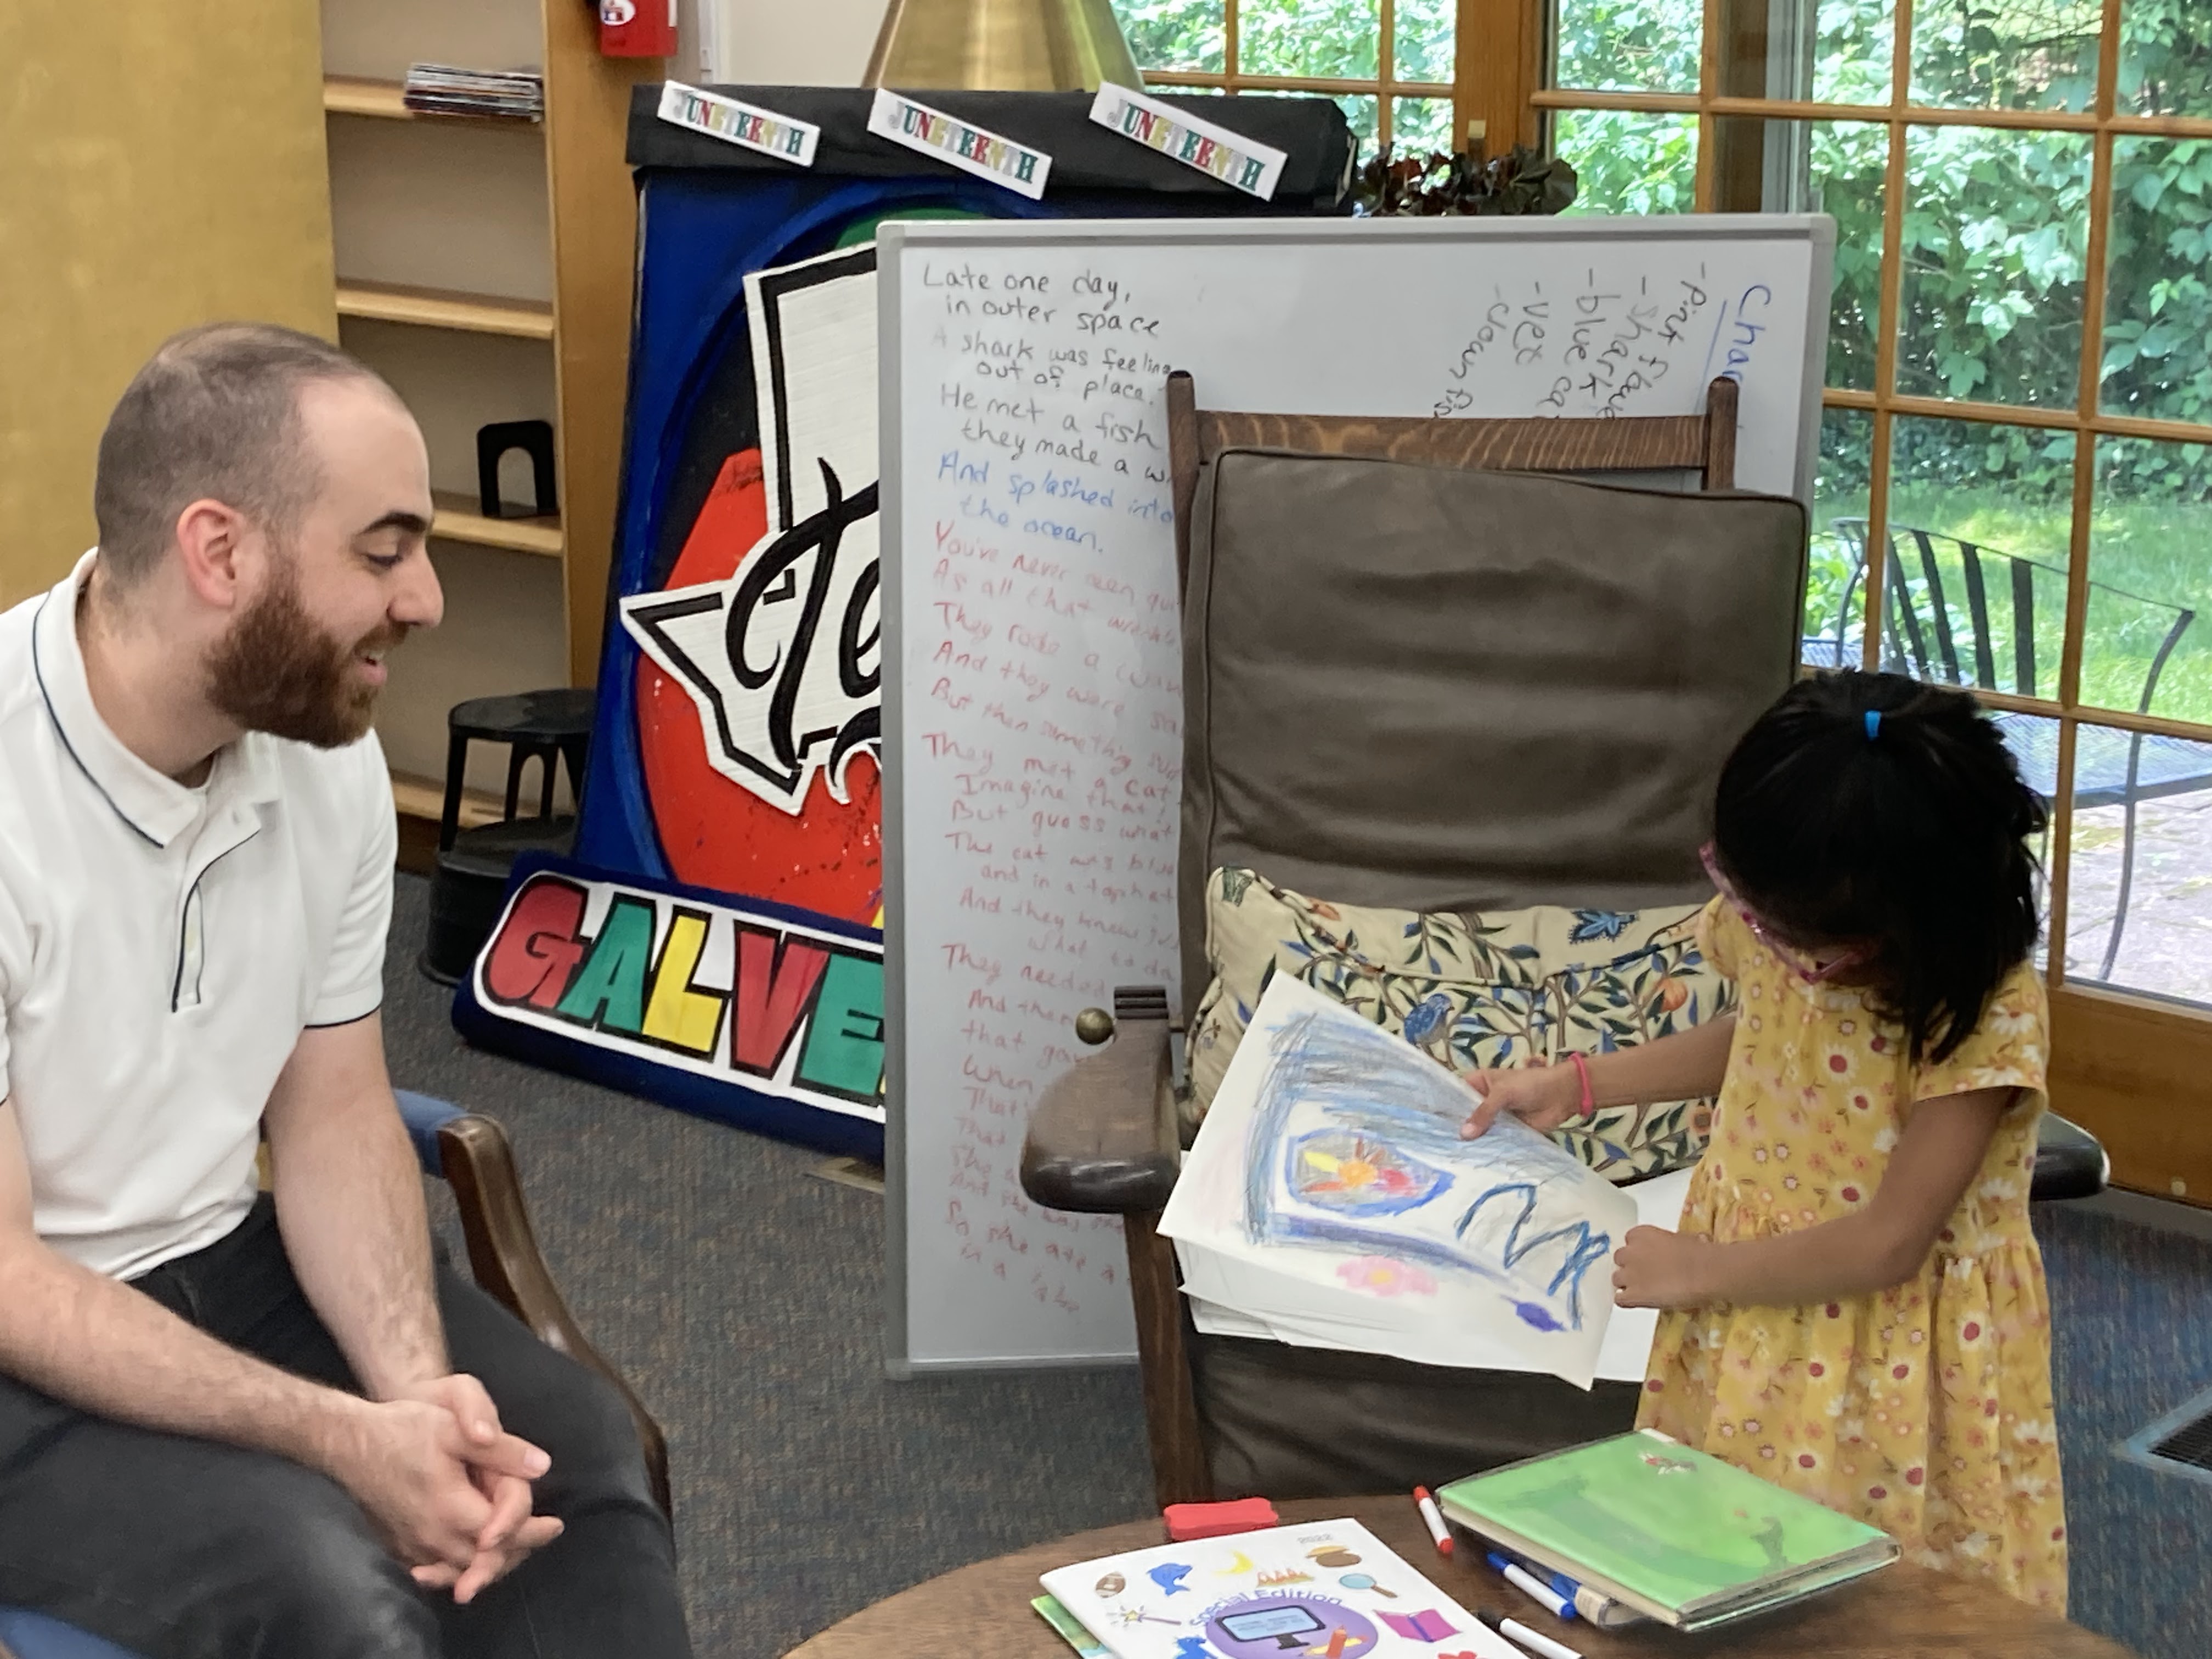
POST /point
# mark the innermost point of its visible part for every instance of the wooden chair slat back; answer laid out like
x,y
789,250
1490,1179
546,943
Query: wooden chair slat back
x,y
1703,444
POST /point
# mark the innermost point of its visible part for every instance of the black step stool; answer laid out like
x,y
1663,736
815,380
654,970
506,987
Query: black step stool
x,y
469,884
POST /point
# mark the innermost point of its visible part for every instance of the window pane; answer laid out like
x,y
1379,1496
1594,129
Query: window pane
x,y
1332,38
1996,235
1979,526
1421,123
2166,58
1627,45
1423,32
2158,306
1819,166
1838,51
1852,51
2006,54
1848,163
1835,587
1173,34
2150,566
2139,885
1627,162
1360,113
2034,740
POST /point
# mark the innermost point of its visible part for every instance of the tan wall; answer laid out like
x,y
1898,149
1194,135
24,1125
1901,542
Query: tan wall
x,y
161,165
822,43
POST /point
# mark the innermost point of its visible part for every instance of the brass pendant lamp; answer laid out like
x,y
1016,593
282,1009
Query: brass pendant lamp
x,y
1013,45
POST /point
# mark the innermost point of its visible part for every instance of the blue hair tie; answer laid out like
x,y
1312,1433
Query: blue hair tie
x,y
1872,724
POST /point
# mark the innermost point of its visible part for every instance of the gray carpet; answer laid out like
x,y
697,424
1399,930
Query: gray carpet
x,y
743,1300
2132,1311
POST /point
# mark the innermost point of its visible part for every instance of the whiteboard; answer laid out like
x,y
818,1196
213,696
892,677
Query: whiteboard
x,y
1033,702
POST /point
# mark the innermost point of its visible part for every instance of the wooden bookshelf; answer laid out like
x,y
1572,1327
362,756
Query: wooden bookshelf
x,y
434,307
386,100
400,278
350,94
594,220
457,521
422,804
424,798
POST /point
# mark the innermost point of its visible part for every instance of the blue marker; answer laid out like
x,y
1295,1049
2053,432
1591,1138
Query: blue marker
x,y
1559,1605
1558,1581
1596,1605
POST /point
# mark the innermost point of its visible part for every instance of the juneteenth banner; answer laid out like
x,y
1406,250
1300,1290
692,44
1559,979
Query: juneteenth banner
x,y
1235,160
747,1009
780,135
954,142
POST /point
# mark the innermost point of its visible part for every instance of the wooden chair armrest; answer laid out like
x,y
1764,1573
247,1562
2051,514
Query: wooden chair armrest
x,y
503,1254
1102,1137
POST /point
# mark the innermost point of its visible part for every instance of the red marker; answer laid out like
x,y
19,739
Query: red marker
x,y
1438,1530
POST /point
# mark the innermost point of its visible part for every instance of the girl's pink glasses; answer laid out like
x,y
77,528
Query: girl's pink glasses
x,y
1811,972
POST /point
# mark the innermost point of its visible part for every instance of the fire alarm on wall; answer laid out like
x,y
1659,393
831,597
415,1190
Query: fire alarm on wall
x,y
637,28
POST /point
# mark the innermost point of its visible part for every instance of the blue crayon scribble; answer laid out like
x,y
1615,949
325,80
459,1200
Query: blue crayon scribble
x,y
1399,1113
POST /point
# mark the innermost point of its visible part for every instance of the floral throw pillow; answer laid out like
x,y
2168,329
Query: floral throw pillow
x,y
1516,987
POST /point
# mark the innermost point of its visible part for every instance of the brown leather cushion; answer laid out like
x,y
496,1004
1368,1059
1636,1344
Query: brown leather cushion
x,y
1286,1422
1439,689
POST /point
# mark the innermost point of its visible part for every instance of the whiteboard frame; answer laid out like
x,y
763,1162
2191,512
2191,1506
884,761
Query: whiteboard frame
x,y
1818,229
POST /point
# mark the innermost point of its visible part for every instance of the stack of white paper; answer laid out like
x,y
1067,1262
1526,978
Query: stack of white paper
x,y
1329,1202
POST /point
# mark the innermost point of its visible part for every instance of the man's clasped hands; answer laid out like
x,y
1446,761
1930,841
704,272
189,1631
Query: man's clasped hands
x,y
449,1489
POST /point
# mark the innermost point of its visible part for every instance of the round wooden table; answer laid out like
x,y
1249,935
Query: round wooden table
x,y
983,1611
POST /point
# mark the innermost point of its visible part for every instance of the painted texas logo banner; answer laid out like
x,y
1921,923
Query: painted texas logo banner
x,y
777,649
746,983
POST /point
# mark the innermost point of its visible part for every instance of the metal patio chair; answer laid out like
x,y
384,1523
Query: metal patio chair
x,y
1959,613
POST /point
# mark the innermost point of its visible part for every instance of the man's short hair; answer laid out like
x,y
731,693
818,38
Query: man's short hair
x,y
213,414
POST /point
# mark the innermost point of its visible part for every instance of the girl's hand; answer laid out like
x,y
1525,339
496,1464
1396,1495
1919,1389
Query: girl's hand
x,y
1655,1268
1541,1097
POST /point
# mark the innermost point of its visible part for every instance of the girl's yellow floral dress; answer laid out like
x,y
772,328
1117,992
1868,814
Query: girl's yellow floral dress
x,y
1924,1409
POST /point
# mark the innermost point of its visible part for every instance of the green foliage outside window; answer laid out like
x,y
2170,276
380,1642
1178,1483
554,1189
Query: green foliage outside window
x,y
1996,229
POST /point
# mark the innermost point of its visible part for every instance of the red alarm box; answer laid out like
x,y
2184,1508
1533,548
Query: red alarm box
x,y
637,28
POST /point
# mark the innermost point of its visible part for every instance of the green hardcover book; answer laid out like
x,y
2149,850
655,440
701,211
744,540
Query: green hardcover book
x,y
1072,1631
1681,1537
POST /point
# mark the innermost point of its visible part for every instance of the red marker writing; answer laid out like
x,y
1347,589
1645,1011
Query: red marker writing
x,y
1436,1520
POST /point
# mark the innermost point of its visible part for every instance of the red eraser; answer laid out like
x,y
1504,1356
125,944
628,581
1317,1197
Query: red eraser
x,y
1189,1521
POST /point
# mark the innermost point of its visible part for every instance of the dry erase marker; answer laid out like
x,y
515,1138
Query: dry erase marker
x,y
1535,1641
1558,1581
1559,1605
1438,1530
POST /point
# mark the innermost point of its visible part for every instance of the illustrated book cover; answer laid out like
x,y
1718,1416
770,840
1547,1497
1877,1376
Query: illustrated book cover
x,y
1681,1536
1327,1591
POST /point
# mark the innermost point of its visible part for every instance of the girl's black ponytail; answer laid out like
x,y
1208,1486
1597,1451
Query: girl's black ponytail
x,y
1875,811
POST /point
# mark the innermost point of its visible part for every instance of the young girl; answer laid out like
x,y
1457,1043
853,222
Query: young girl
x,y
1855,1302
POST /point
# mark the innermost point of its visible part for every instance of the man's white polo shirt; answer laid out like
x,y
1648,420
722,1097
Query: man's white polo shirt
x,y
162,948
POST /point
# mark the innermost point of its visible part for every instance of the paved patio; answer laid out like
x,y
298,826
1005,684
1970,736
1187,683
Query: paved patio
x,y
2167,945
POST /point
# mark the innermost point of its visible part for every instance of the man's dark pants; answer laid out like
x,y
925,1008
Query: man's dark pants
x,y
181,1548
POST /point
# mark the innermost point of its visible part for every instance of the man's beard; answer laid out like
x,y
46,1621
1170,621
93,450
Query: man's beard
x,y
275,672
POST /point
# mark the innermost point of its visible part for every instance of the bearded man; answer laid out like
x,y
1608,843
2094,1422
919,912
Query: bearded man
x,y
235,1424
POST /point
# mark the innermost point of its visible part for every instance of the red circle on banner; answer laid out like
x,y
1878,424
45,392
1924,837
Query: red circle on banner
x,y
719,833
